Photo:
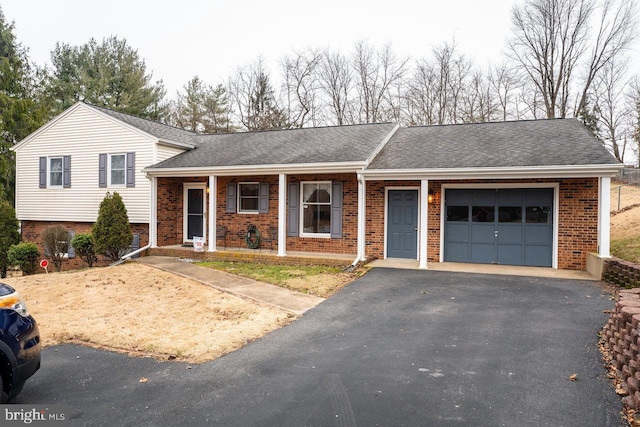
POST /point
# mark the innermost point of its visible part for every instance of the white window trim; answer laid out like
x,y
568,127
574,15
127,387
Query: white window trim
x,y
109,183
239,197
49,171
302,203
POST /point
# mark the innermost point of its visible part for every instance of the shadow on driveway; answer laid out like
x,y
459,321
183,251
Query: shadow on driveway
x,y
396,347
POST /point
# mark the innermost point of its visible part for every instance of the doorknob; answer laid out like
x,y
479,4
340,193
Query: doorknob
x,y
415,229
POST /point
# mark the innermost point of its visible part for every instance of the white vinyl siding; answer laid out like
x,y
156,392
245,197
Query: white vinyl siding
x,y
164,152
82,133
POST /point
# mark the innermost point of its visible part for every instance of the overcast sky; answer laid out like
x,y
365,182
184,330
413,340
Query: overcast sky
x,y
181,38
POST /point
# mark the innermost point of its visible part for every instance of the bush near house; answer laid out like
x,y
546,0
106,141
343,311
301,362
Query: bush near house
x,y
24,255
111,232
85,248
55,241
8,234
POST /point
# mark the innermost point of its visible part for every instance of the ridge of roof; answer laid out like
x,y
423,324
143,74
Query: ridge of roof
x,y
495,122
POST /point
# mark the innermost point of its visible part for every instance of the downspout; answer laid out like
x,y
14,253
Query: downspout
x,y
124,257
361,221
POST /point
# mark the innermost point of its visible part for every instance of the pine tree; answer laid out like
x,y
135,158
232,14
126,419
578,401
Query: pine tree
x,y
8,234
19,113
111,232
109,74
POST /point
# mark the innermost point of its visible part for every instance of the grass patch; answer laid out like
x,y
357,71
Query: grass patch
x,y
627,249
317,280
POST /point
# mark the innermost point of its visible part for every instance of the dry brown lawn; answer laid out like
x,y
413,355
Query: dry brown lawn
x,y
139,310
625,224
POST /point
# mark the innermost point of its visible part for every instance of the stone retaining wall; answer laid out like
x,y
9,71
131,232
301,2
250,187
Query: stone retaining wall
x,y
621,273
621,337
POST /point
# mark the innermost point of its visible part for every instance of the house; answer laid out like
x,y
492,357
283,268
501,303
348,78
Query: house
x,y
519,193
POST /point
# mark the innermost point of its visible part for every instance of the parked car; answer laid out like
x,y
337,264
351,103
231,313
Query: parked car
x,y
19,343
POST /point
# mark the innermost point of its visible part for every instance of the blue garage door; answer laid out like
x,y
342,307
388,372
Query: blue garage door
x,y
499,226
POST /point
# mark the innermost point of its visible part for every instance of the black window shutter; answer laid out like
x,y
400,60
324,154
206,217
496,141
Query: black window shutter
x,y
66,171
263,198
231,197
131,169
102,170
43,172
336,210
71,250
293,210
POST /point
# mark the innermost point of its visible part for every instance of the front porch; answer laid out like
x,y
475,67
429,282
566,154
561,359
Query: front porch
x,y
262,255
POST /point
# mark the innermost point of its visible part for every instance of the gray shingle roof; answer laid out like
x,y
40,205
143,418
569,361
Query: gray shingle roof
x,y
353,143
553,142
159,130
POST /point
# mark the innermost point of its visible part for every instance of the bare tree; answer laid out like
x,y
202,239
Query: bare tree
x,y
611,110
254,99
375,73
335,79
504,82
422,95
300,84
551,39
478,102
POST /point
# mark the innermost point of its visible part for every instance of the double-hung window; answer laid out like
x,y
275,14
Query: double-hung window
x,y
248,195
316,208
117,169
55,171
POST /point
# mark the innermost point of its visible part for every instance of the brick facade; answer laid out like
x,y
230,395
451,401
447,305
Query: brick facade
x,y
32,232
577,217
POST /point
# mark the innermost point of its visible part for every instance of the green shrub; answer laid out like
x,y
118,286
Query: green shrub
x,y
8,234
24,255
55,239
111,232
85,248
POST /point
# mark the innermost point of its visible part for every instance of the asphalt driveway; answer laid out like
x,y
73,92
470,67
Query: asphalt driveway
x,y
397,347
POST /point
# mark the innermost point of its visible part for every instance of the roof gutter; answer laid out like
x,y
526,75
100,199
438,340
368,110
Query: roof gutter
x,y
337,167
574,171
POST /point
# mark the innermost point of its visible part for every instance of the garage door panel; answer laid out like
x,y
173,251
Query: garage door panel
x,y
536,235
537,256
482,232
457,252
510,254
483,253
457,232
510,234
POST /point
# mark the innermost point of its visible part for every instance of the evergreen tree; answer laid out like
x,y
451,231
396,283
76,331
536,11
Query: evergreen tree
x,y
111,232
9,235
19,113
202,108
264,111
108,74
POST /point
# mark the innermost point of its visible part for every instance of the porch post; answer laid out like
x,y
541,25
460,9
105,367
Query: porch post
x,y
604,218
424,223
153,213
282,214
362,218
213,195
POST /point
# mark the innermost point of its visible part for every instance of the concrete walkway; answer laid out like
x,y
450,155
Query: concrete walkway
x,y
276,296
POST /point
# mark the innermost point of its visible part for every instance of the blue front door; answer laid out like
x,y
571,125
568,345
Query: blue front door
x,y
402,224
